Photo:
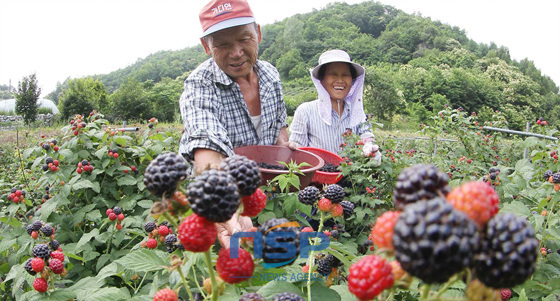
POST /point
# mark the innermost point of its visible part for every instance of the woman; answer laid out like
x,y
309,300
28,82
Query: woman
x,y
322,122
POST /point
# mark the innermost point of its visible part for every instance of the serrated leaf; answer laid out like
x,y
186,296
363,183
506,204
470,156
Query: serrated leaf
x,y
6,244
143,260
86,238
263,217
290,204
274,287
101,152
517,208
82,184
126,180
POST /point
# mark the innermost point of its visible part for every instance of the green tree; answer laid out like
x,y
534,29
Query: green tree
x,y
380,94
82,96
164,97
26,98
130,102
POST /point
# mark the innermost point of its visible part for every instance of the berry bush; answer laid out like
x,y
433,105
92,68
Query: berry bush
x,y
95,213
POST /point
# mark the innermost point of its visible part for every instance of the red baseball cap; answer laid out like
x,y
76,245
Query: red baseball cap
x,y
222,14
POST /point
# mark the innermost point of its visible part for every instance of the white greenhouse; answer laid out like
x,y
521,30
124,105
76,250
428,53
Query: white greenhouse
x,y
9,105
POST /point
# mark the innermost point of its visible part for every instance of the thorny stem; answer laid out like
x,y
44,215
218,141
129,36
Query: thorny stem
x,y
140,285
110,241
311,257
208,260
185,283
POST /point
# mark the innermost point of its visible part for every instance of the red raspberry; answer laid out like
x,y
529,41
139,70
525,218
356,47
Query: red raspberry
x,y
234,270
307,229
151,243
37,264
337,210
382,232
197,234
58,255
506,294
477,199
163,230
120,216
56,266
305,269
109,211
112,216
40,285
119,226
325,205
368,277
166,294
254,204
34,234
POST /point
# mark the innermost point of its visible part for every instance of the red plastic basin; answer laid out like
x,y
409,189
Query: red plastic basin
x,y
271,154
323,177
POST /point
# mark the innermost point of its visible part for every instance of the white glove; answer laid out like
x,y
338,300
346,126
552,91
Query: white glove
x,y
372,150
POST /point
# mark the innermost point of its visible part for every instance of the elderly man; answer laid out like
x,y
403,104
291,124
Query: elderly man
x,y
232,99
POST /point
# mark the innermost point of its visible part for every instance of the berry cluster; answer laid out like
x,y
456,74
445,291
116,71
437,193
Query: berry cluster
x,y
84,166
51,164
330,200
49,145
162,233
438,236
47,260
152,122
116,214
113,153
164,173
77,124
16,195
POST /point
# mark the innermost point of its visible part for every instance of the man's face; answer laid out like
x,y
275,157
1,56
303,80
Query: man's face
x,y
235,49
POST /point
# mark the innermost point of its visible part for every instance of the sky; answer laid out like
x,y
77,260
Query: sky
x,y
57,39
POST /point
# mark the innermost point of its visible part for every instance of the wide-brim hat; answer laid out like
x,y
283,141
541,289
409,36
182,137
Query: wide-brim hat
x,y
222,14
333,56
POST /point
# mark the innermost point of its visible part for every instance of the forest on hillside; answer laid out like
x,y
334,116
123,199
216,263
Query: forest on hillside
x,y
415,66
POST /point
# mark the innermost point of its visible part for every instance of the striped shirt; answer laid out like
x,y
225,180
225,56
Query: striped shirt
x,y
216,117
308,129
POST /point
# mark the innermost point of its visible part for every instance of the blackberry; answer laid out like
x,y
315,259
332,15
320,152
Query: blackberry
x,y
85,162
54,244
245,172
270,251
47,230
335,262
45,167
556,178
13,190
170,249
368,242
42,251
28,267
213,195
37,225
329,167
287,297
419,182
508,252
149,226
324,267
348,208
170,240
164,172
165,223
492,170
252,297
335,193
547,174
49,160
433,241
117,210
272,166
492,176
29,229
334,233
308,195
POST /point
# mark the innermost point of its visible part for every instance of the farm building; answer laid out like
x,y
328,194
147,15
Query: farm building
x,y
9,105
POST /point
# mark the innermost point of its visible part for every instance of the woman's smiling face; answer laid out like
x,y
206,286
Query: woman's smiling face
x,y
337,80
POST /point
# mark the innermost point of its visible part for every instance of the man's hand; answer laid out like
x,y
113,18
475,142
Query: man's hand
x,y
371,149
235,224
206,158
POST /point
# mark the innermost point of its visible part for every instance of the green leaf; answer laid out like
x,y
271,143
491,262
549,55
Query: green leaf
x,y
143,260
104,294
86,238
320,292
82,184
517,208
126,180
7,243
101,152
290,204
265,216
274,287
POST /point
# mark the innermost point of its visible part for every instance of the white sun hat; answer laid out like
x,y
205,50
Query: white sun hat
x,y
333,56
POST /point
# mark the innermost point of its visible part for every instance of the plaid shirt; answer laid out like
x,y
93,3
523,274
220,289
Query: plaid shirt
x,y
216,117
